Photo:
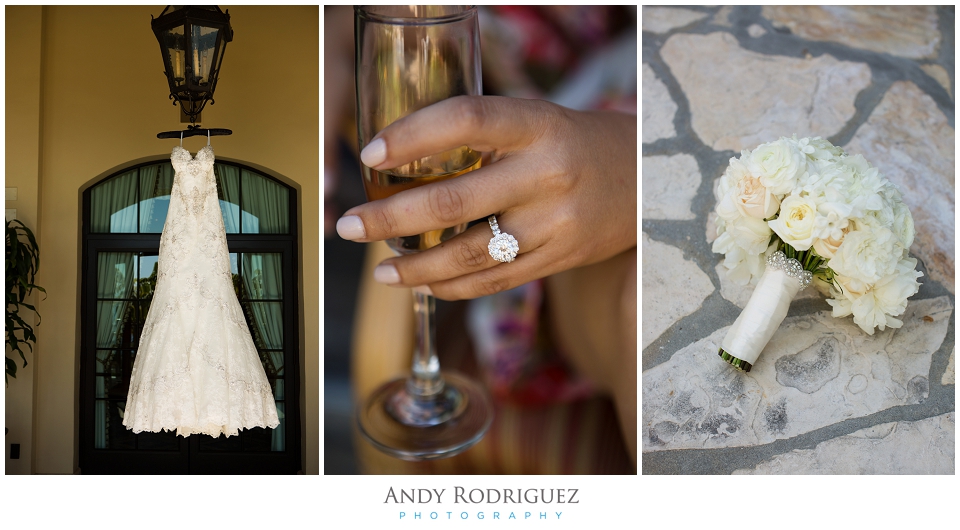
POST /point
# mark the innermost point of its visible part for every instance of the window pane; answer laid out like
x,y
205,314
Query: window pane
x,y
110,386
112,363
147,276
115,273
277,441
109,362
265,205
116,326
278,389
228,190
109,432
146,285
155,185
263,276
265,320
272,364
100,424
113,205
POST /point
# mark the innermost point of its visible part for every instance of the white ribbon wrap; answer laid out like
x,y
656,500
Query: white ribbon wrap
x,y
763,314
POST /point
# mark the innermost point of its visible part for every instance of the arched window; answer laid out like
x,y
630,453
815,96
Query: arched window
x,y
123,219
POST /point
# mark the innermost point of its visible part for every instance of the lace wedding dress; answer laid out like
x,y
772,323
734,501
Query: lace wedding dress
x,y
197,370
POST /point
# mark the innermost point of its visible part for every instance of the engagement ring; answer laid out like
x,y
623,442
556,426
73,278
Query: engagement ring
x,y
502,247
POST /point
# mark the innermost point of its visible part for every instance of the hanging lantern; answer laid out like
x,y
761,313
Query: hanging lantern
x,y
192,41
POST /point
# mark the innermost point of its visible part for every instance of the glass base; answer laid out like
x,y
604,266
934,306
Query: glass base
x,y
414,428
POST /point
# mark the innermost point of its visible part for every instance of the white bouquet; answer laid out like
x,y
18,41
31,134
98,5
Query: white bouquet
x,y
796,211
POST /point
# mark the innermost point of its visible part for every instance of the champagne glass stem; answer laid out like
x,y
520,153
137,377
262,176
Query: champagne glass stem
x,y
425,380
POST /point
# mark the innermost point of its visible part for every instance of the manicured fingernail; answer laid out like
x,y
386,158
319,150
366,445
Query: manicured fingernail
x,y
374,153
350,227
387,274
423,289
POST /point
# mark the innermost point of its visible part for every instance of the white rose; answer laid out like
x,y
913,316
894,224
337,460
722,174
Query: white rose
x,y
796,223
778,165
867,254
827,247
755,200
751,198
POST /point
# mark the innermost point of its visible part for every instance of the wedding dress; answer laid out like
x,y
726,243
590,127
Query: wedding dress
x,y
197,370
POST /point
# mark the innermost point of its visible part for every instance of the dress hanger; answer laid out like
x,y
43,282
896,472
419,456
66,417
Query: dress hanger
x,y
194,131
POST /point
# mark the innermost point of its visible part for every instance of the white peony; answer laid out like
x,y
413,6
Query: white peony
x,y
903,224
797,221
887,299
778,165
867,254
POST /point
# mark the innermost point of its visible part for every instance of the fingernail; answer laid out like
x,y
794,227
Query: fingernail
x,y
423,289
387,274
374,153
350,227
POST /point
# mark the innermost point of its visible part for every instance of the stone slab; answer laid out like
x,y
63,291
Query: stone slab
x,y
740,99
940,74
907,31
665,19
669,185
816,371
923,447
722,16
658,108
673,287
756,30
949,375
911,142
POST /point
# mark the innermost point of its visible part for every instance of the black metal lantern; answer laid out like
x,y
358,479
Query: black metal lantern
x,y
192,42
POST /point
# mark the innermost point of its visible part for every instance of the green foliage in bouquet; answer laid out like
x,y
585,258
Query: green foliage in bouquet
x,y
23,261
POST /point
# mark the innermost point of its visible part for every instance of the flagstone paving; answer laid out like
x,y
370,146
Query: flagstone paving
x,y
824,397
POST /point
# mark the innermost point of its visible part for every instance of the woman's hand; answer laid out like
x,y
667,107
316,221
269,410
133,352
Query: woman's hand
x,y
562,182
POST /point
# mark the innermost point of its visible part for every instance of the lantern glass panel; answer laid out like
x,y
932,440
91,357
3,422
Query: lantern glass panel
x,y
203,48
176,45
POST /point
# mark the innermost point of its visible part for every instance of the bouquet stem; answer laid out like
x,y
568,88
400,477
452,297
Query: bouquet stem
x,y
783,278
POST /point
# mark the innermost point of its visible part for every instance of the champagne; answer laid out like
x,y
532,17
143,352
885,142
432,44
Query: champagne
x,y
436,168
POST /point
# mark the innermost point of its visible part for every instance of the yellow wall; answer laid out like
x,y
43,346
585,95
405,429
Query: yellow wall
x,y
21,171
103,99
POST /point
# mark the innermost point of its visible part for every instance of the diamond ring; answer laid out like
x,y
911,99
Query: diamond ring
x,y
502,247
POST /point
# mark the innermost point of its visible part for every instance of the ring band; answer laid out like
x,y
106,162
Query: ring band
x,y
502,247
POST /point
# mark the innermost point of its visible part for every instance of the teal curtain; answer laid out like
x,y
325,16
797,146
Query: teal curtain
x,y
228,190
263,280
266,205
115,276
114,205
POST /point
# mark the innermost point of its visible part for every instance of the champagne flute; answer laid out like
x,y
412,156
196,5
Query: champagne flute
x,y
409,57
